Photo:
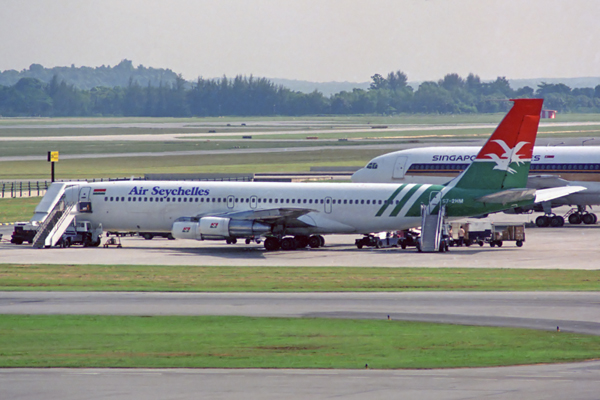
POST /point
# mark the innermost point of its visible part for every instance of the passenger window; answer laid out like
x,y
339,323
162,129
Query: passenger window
x,y
293,201
287,201
196,200
270,200
362,202
185,200
129,199
106,199
309,201
379,201
304,201
276,200
345,201
116,199
349,201
151,199
368,201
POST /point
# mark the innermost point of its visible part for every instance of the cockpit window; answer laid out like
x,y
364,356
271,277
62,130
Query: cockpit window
x,y
372,165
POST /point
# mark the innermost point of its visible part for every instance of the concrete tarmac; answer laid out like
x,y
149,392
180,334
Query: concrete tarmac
x,y
569,247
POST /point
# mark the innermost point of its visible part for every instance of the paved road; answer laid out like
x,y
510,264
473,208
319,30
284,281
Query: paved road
x,y
579,381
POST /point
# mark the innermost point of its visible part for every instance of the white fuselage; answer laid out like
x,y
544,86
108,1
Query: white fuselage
x,y
153,206
574,165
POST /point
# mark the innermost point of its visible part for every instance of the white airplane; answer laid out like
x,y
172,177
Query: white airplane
x,y
291,215
550,167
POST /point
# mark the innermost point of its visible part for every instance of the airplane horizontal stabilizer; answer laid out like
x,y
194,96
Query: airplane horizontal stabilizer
x,y
542,195
508,196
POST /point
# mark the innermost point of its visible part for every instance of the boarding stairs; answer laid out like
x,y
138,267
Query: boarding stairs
x,y
55,224
432,225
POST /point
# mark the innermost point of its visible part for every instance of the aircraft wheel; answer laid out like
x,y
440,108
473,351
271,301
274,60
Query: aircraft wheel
x,y
301,241
314,241
148,236
288,244
595,218
542,221
557,221
575,218
481,243
321,240
519,243
272,243
248,240
587,219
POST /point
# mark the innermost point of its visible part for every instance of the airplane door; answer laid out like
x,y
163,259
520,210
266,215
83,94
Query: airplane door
x,y
399,167
84,193
253,201
230,201
328,205
85,205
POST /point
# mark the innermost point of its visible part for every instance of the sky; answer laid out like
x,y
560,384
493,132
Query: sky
x,y
314,40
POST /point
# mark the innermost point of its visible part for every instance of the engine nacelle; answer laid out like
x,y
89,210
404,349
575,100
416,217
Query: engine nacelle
x,y
216,228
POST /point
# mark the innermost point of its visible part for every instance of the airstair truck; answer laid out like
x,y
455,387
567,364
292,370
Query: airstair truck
x,y
52,216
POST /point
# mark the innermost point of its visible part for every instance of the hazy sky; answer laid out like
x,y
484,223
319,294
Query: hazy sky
x,y
317,40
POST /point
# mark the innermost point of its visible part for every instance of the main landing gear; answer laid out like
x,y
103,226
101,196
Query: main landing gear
x,y
578,217
574,216
549,220
292,243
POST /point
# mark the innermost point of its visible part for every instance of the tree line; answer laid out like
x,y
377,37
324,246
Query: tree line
x,y
250,96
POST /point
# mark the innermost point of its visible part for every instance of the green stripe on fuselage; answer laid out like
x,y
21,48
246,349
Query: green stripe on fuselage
x,y
403,200
415,209
389,201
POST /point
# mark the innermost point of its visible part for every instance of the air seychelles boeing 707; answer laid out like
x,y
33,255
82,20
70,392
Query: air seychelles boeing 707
x,y
291,215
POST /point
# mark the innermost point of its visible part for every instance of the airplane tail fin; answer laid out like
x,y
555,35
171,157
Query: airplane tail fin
x,y
503,162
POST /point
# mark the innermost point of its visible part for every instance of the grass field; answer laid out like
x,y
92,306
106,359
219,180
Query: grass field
x,y
138,166
288,279
18,209
240,342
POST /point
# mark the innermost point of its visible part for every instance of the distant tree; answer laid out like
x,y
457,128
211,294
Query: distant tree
x,y
524,92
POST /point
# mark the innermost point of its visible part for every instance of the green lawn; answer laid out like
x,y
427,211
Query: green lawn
x,y
241,342
126,167
288,279
18,209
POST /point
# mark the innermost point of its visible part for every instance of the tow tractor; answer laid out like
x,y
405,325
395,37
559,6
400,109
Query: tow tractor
x,y
403,239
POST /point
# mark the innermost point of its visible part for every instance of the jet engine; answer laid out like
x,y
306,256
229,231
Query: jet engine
x,y
217,228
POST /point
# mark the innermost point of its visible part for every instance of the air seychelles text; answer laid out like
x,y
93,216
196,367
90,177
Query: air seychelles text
x,y
157,191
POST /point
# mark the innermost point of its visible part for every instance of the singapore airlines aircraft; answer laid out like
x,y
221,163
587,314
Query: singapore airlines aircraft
x,y
291,215
550,167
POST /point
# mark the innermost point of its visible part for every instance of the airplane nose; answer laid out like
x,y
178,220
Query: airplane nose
x,y
358,176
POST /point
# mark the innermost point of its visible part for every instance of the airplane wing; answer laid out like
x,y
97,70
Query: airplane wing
x,y
288,216
542,195
537,195
508,196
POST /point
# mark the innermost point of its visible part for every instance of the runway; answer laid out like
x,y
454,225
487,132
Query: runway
x,y
562,381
